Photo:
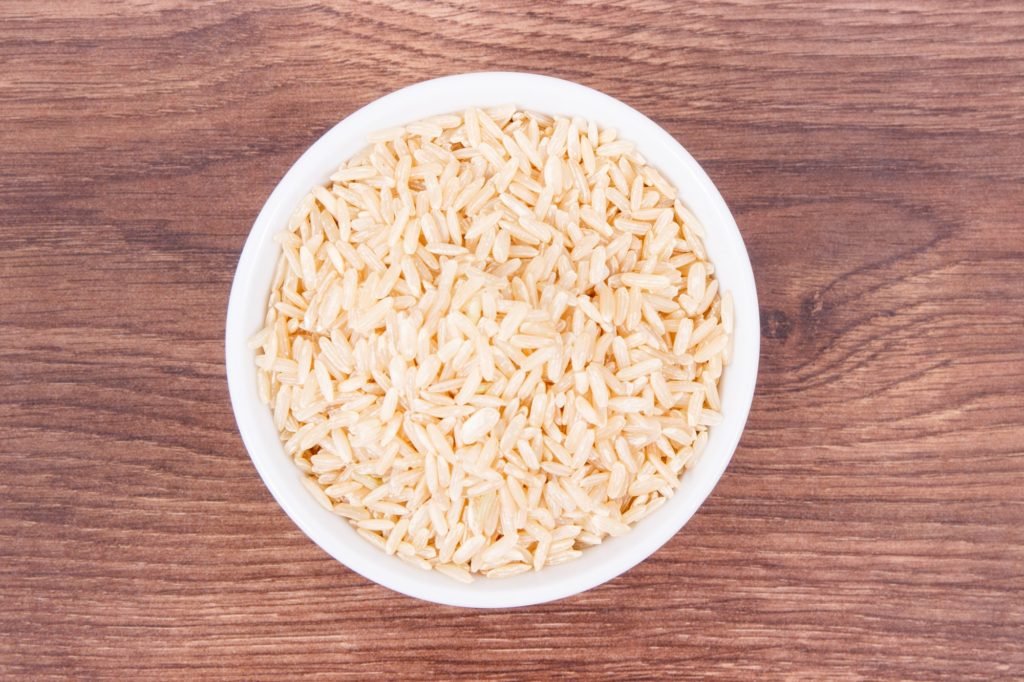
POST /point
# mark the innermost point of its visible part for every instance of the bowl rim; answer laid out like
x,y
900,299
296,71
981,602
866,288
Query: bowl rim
x,y
552,582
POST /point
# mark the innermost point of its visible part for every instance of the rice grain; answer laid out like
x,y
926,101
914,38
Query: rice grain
x,y
493,339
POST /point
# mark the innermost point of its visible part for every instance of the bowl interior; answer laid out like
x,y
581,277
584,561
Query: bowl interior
x,y
252,284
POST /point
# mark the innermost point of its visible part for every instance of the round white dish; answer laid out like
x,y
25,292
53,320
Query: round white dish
x,y
247,304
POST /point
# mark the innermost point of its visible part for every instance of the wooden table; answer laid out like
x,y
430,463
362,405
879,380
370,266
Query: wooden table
x,y
871,524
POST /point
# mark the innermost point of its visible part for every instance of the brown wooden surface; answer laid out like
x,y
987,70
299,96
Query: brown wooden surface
x,y
871,524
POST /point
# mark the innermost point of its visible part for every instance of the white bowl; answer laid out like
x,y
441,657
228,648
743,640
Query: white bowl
x,y
251,287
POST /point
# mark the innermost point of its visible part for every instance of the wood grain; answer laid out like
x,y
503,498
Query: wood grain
x,y
872,522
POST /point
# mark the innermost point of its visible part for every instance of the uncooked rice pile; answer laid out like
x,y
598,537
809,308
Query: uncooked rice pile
x,y
493,340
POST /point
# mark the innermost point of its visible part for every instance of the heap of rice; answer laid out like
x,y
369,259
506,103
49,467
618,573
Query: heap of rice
x,y
493,339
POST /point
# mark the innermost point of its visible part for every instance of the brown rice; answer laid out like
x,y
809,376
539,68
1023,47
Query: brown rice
x,y
493,339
